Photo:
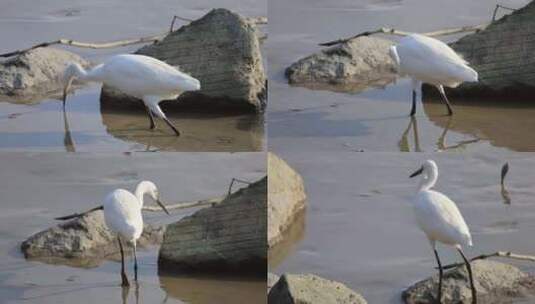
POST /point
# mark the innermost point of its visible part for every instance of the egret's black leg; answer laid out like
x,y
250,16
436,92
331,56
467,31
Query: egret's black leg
x,y
171,126
413,108
439,293
151,118
445,98
123,274
135,263
469,268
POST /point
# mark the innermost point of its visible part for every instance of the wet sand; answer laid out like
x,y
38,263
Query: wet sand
x,y
360,227
38,125
301,119
36,187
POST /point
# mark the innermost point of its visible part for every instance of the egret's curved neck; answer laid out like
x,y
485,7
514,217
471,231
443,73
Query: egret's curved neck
x,y
429,180
77,71
141,189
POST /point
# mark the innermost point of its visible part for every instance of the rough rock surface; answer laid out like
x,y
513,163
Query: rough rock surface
x,y
220,49
495,283
38,71
311,289
286,197
352,66
502,55
83,238
229,236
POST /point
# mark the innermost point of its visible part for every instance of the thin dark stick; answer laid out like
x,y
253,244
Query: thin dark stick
x,y
498,6
75,215
175,17
501,254
232,184
391,31
90,45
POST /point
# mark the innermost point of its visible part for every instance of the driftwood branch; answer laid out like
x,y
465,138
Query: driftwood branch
x,y
258,20
117,43
392,31
188,204
180,205
500,254
91,45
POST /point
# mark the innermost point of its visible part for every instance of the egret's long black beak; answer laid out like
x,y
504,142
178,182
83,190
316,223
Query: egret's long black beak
x,y
66,90
159,202
417,172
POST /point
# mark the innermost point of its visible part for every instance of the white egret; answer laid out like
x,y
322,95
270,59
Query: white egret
x,y
143,77
431,61
122,214
440,220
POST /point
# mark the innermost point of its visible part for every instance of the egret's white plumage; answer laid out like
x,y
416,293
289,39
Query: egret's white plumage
x,y
431,61
437,215
122,214
440,219
144,77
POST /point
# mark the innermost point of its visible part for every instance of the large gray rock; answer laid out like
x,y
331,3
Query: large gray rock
x,y
83,241
286,199
352,66
311,289
36,72
229,236
502,54
495,283
220,49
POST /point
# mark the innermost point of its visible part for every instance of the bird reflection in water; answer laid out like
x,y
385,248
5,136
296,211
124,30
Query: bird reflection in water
x,y
125,292
404,144
68,142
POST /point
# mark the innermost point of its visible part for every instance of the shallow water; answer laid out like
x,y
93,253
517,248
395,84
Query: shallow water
x,y
360,228
44,127
36,187
301,119
39,126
